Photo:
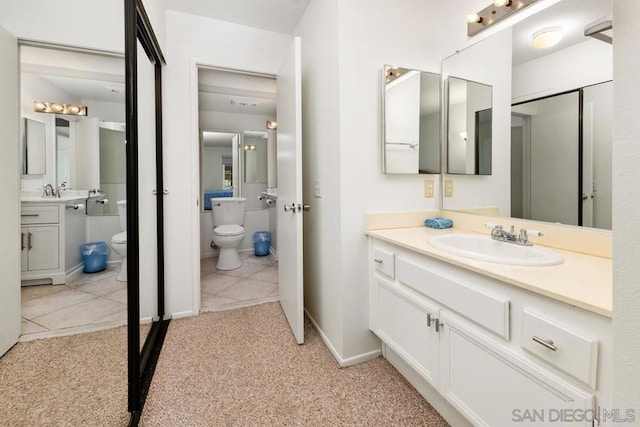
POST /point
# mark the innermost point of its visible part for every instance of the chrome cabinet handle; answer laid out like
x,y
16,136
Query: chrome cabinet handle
x,y
29,214
29,242
22,242
545,343
439,325
378,260
429,320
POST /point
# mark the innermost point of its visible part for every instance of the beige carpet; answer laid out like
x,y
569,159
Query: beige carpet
x,y
79,380
239,367
242,367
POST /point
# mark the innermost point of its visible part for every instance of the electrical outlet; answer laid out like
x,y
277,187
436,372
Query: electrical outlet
x,y
448,188
428,188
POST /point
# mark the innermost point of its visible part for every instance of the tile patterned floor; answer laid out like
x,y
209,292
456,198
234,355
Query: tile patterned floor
x,y
91,299
255,282
99,299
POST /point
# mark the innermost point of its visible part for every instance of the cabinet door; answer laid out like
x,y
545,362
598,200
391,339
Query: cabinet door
x,y
403,325
24,251
493,387
43,248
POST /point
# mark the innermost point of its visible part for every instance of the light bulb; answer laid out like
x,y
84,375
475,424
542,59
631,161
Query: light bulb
x,y
500,3
474,18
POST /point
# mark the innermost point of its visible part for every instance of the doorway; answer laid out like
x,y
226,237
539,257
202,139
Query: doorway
x,y
237,159
561,157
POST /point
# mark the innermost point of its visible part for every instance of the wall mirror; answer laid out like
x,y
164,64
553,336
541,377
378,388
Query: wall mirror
x,y
552,118
410,121
83,152
468,127
33,147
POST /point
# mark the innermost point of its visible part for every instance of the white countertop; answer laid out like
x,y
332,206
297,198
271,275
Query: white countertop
x,y
584,281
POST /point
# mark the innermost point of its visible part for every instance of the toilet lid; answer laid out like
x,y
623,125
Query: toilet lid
x,y
120,238
228,230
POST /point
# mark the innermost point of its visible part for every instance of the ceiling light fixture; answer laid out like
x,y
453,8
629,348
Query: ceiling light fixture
x,y
59,108
547,37
495,12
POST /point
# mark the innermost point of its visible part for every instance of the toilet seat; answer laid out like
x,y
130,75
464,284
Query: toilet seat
x,y
228,230
119,238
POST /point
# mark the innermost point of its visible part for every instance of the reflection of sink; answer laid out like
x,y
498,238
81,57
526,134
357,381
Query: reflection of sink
x,y
483,248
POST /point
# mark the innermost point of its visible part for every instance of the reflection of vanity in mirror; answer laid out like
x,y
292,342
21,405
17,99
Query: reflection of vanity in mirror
x,y
82,156
411,121
552,118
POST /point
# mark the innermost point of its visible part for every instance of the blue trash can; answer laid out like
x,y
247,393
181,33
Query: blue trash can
x,y
94,256
261,242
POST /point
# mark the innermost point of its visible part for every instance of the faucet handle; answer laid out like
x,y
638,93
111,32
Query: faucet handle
x,y
492,225
534,233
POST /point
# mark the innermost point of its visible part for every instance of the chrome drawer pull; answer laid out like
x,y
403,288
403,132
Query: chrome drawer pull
x,y
29,243
439,325
429,320
29,214
379,261
546,343
22,242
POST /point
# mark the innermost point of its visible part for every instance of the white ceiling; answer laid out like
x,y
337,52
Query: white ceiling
x,y
81,75
280,16
571,15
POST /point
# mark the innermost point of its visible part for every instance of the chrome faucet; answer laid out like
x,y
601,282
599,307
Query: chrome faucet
x,y
499,234
48,191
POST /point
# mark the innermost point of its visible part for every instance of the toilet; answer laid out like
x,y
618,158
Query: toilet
x,y
228,218
119,241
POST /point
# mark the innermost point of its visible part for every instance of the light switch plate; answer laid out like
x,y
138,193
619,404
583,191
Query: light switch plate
x,y
448,188
428,188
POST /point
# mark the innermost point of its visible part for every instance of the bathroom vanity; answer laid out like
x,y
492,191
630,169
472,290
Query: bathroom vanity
x,y
52,231
501,344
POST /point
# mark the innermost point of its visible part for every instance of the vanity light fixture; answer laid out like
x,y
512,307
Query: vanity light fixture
x,y
249,147
547,37
496,11
59,108
272,124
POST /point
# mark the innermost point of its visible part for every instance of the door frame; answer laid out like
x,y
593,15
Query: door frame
x,y
142,363
196,170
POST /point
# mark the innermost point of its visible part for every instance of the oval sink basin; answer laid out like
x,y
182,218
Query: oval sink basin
x,y
483,248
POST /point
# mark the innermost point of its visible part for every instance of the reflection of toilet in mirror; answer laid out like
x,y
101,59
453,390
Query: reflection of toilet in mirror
x,y
228,218
119,241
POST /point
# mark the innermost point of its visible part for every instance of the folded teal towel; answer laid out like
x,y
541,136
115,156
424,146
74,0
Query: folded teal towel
x,y
438,222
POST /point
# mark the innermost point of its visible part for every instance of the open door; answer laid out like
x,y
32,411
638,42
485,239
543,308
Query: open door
x,y
9,176
289,206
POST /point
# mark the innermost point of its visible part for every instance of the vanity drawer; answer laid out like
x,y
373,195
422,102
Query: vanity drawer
x,y
39,214
571,352
489,311
384,262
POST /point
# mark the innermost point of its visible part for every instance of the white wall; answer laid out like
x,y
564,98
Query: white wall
x,y
580,65
192,40
349,136
626,205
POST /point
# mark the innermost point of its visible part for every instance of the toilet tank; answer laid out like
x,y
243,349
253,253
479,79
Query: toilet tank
x,y
227,210
122,213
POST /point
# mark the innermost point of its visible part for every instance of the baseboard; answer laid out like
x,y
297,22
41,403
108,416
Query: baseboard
x,y
430,394
74,272
273,253
342,362
181,314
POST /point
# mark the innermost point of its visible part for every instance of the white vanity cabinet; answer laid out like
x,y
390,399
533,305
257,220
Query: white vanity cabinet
x,y
471,338
42,243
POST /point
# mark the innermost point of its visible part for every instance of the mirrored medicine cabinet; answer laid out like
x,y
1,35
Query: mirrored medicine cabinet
x,y
410,121
34,145
469,120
